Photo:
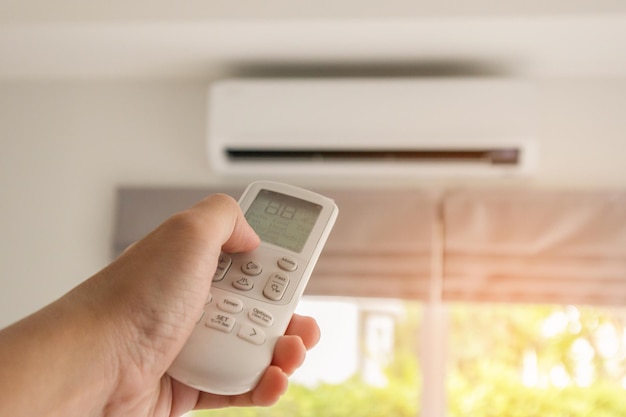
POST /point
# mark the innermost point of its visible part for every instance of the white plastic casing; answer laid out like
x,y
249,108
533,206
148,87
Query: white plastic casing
x,y
452,114
222,362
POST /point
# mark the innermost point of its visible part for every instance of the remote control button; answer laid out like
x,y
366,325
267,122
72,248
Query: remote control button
x,y
276,286
243,284
261,317
251,334
219,321
251,268
288,263
223,264
230,305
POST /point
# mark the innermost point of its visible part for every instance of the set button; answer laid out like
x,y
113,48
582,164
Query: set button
x,y
219,321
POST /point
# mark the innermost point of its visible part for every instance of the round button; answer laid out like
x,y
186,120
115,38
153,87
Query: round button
x,y
243,284
251,268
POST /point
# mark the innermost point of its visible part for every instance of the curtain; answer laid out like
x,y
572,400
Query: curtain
x,y
512,245
535,246
380,245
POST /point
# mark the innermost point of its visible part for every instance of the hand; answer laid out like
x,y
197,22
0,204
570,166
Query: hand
x,y
116,334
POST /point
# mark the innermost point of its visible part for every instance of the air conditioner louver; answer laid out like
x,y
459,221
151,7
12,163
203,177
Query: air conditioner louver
x,y
504,156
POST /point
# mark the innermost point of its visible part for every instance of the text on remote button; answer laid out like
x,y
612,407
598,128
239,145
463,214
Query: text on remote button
x,y
230,305
275,287
288,263
260,316
220,322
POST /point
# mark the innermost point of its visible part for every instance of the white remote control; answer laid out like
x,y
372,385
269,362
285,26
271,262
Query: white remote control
x,y
254,294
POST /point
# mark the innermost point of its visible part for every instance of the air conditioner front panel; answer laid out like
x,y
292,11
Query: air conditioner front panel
x,y
324,118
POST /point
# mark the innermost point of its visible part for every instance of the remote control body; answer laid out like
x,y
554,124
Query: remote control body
x,y
254,294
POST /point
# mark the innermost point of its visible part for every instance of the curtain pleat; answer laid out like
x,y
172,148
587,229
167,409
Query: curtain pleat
x,y
541,246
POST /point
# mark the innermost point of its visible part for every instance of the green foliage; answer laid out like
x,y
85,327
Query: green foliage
x,y
488,348
488,345
505,397
353,398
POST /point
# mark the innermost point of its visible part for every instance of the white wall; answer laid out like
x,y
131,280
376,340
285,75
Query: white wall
x,y
66,146
65,149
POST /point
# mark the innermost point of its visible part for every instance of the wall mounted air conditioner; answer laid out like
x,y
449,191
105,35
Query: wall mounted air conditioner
x,y
321,127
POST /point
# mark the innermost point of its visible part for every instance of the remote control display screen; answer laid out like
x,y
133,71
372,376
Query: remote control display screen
x,y
282,220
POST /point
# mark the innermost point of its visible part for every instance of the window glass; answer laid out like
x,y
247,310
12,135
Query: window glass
x,y
536,360
365,364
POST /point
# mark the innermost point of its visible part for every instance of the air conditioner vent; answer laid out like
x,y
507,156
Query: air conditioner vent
x,y
499,156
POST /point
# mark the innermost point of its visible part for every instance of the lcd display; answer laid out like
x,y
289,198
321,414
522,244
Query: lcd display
x,y
282,220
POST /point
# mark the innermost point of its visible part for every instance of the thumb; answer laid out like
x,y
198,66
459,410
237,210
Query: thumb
x,y
236,234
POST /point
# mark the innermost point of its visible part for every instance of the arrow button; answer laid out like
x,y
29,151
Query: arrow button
x,y
251,334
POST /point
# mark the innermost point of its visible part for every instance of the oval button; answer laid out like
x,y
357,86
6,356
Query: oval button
x,y
251,334
287,263
261,317
243,284
276,286
230,305
251,268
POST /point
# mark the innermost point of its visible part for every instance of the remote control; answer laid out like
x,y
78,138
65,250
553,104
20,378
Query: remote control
x,y
254,294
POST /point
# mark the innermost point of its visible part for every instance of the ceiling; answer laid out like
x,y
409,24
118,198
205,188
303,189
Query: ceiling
x,y
70,39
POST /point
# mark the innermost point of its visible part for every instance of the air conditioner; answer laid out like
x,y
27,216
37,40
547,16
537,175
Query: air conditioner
x,y
322,127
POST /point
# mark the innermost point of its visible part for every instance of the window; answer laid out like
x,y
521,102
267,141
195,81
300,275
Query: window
x,y
536,360
502,360
365,364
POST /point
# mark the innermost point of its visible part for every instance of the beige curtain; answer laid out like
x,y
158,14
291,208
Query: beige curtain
x,y
535,246
381,245
523,245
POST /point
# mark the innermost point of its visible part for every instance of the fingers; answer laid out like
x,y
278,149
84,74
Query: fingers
x,y
302,334
272,386
227,222
268,391
306,328
290,351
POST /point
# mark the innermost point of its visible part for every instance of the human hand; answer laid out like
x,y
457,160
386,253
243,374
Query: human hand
x,y
129,321
176,263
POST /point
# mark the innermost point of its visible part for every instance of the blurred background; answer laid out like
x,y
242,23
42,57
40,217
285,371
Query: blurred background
x,y
100,97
